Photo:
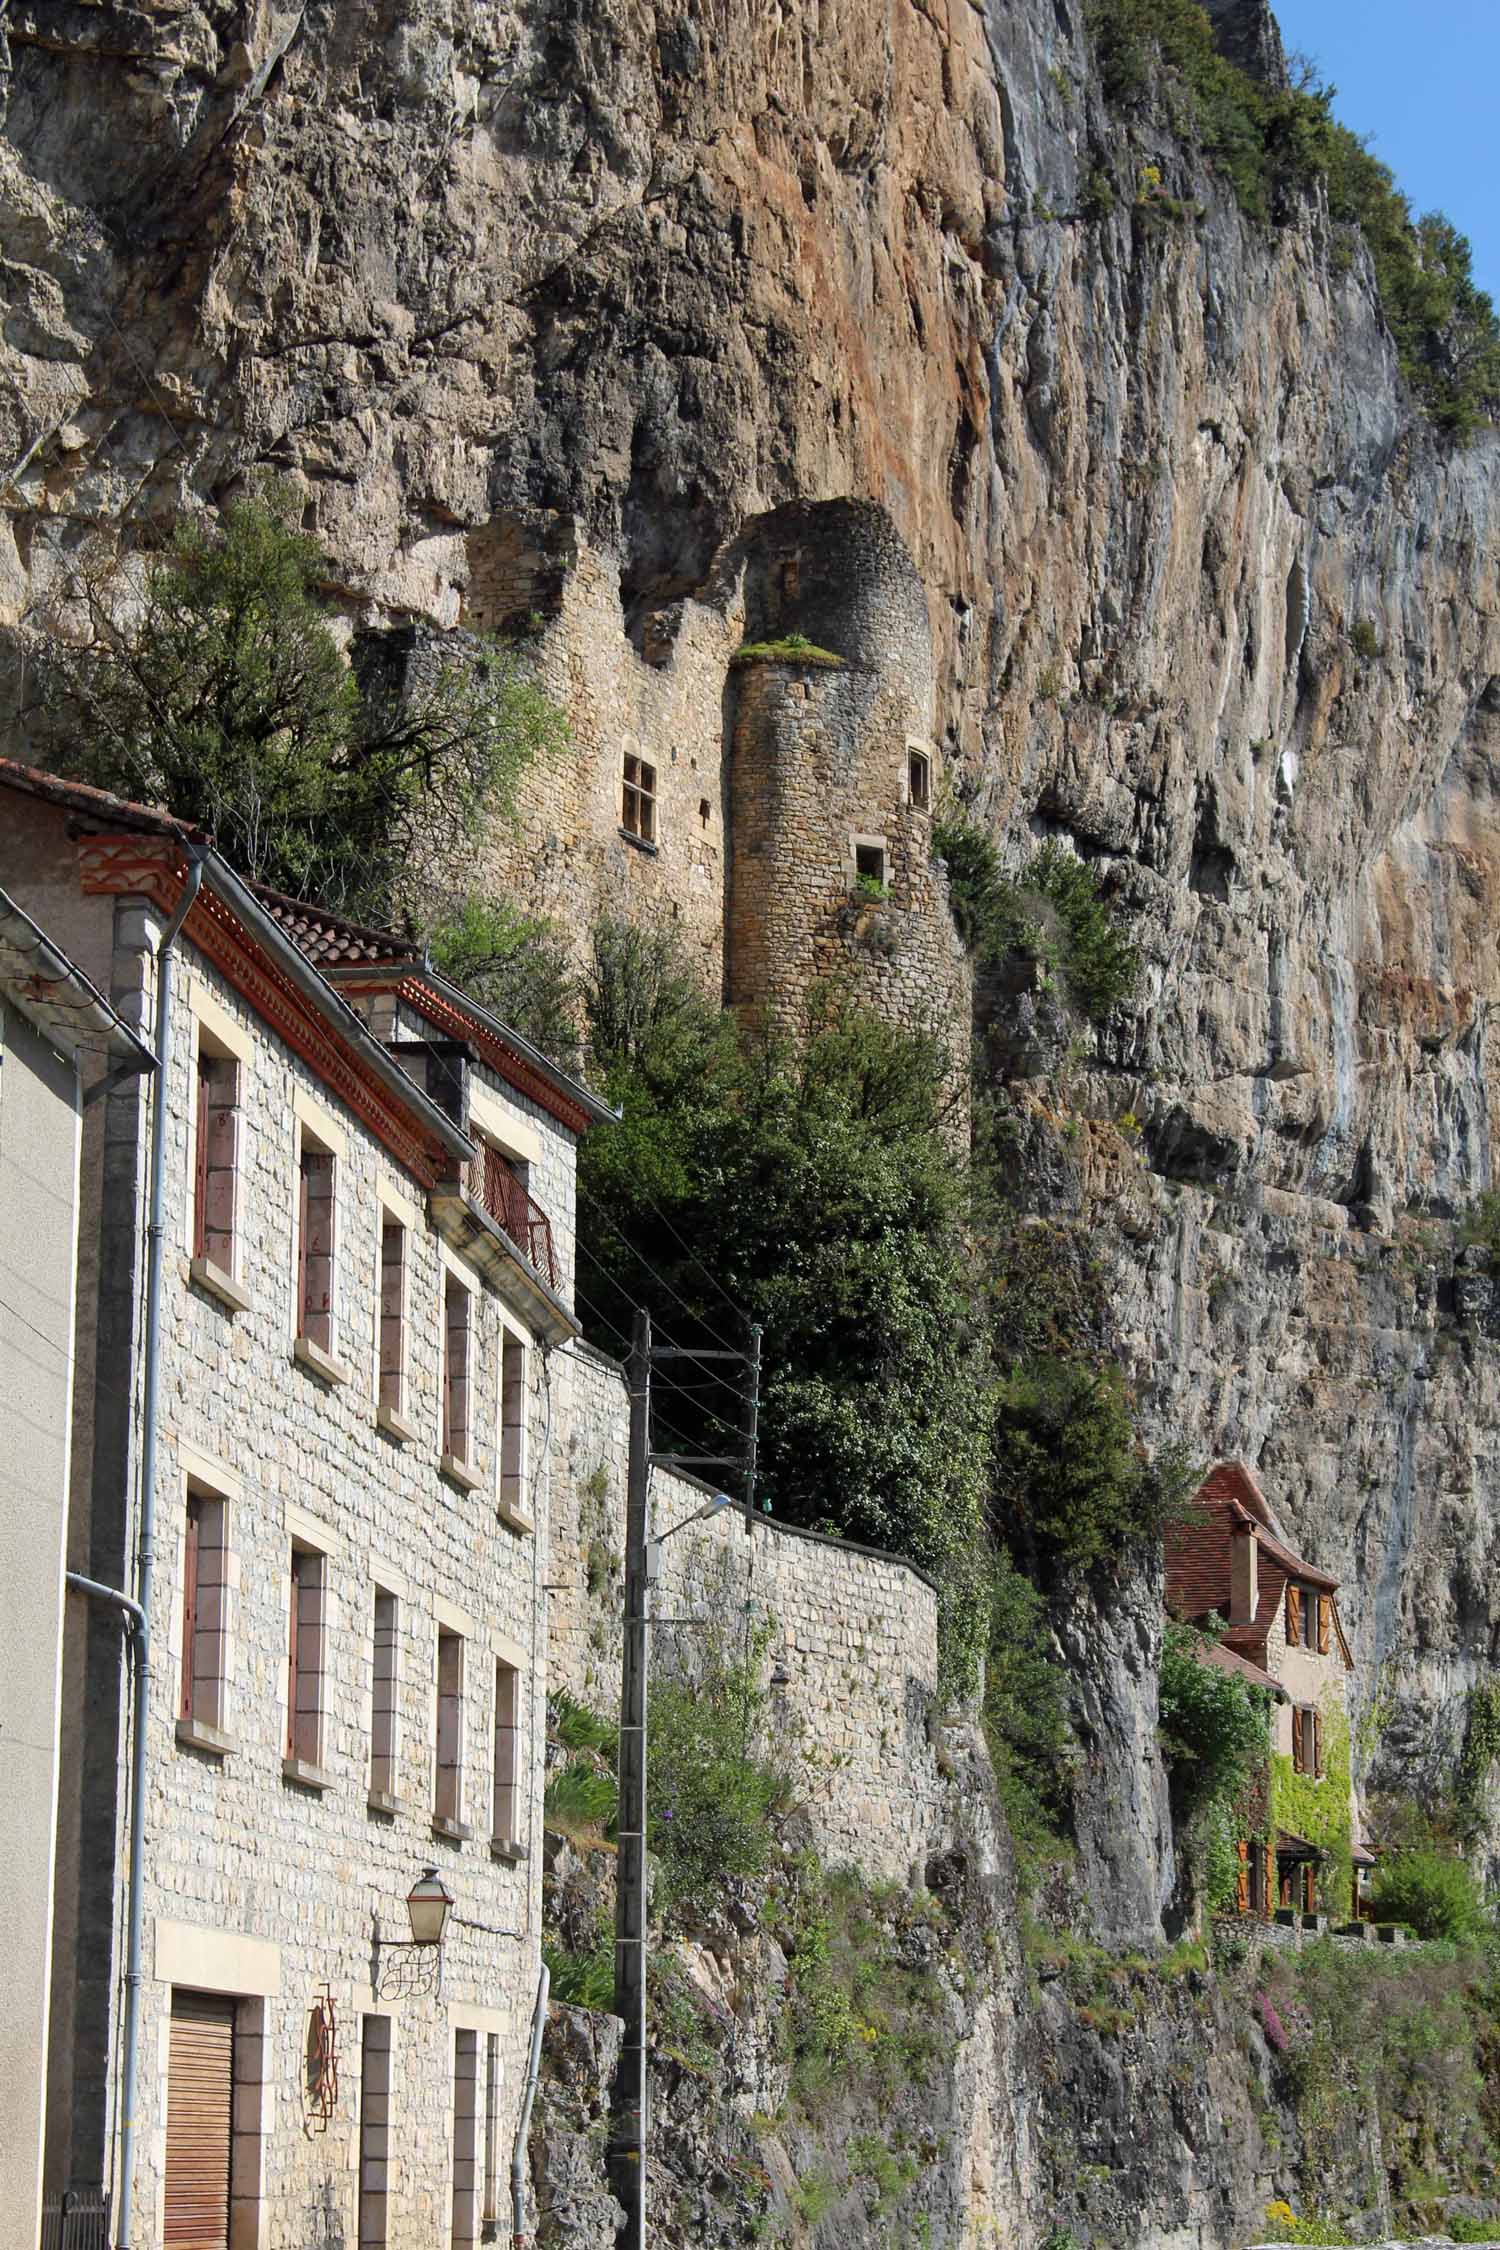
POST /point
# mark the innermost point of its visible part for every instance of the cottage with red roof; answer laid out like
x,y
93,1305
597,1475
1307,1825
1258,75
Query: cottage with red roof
x,y
1232,1568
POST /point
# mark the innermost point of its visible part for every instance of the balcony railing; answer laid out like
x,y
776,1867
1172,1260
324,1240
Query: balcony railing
x,y
493,1184
78,2220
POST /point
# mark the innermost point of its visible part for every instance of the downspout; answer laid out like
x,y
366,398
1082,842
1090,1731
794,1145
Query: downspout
x,y
523,2122
150,1395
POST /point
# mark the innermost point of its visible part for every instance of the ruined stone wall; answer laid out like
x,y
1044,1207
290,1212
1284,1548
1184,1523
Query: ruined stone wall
x,y
855,1631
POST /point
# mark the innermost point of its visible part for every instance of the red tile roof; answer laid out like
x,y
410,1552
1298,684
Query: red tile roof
x,y
97,804
1229,1660
327,939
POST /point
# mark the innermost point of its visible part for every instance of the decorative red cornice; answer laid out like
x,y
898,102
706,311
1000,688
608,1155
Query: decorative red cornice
x,y
135,866
456,1023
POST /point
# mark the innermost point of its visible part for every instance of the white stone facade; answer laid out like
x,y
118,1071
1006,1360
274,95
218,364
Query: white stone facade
x,y
269,1887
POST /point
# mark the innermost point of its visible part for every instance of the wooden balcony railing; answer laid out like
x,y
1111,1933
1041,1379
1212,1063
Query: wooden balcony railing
x,y
493,1184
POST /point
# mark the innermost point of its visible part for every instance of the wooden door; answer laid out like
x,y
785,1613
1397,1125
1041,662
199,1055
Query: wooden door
x,y
200,2093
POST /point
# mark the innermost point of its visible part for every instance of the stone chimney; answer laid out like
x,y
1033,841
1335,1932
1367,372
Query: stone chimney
x,y
1244,1574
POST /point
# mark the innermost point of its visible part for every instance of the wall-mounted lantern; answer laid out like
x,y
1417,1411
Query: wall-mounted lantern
x,y
428,1904
418,1966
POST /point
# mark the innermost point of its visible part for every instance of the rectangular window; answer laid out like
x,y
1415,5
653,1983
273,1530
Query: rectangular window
x,y
215,1187
457,1339
205,1604
1307,1739
448,1792
393,1261
315,1245
919,779
385,1695
307,1642
869,865
374,2130
505,1815
513,1429
638,800
465,2139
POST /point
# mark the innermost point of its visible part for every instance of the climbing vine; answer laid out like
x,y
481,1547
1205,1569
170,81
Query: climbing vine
x,y
1319,1807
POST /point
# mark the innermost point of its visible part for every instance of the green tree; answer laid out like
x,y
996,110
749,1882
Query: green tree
x,y
1432,1889
1073,1485
217,688
514,964
812,1183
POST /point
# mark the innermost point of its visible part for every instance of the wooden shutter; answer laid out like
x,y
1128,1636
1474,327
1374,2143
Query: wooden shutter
x,y
190,1604
1293,1615
200,2088
1242,1880
1297,1752
200,1163
1325,1623
1317,1735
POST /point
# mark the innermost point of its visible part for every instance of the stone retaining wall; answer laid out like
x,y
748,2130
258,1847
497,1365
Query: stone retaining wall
x,y
855,1632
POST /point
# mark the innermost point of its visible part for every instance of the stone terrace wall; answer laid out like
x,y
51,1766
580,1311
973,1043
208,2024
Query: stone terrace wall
x,y
855,1630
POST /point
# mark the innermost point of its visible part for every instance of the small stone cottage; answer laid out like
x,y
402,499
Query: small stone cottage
x,y
1232,1569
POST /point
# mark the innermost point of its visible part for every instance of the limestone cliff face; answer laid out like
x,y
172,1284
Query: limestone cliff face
x,y
543,304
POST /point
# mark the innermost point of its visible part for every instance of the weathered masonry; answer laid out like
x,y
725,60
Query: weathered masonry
x,y
366,1277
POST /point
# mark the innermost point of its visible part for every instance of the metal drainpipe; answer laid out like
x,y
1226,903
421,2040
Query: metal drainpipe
x,y
151,1389
523,2123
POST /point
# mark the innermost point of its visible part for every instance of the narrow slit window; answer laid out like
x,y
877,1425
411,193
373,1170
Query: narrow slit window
x,y
513,1428
315,1246
638,800
457,1354
393,1318
505,1820
374,2130
216,1185
919,779
306,1657
448,1792
385,1692
465,2229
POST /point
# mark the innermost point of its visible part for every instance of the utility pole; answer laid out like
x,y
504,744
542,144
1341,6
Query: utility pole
x,y
632,2118
631,2114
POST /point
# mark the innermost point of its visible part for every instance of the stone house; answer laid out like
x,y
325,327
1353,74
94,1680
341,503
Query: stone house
x,y
56,1030
1231,1566
335,1517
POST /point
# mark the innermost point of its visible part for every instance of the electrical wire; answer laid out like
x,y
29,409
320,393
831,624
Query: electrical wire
x,y
660,1278
711,1373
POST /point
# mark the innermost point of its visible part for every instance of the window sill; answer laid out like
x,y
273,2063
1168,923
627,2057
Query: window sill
x,y
515,1517
197,1734
639,843
318,1362
215,1282
381,1801
451,1831
503,1847
305,1775
394,1425
458,1472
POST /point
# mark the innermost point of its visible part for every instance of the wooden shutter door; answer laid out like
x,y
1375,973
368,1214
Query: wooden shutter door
x,y
1297,1755
1325,1623
200,2089
1293,1615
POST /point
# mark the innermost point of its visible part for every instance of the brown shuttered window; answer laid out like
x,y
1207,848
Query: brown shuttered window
x,y
1297,1739
217,1170
200,2103
457,1322
1293,1615
1325,1623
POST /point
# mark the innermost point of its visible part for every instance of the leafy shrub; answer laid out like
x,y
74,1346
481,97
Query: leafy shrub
x,y
1283,2225
815,1184
1025,1714
1473,2230
583,1980
580,1800
1053,912
1072,1481
576,1727
1434,1891
790,648
709,1796
1272,144
1481,1222
219,690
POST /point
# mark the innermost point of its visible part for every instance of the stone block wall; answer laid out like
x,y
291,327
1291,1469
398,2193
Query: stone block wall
x,y
270,1887
855,1631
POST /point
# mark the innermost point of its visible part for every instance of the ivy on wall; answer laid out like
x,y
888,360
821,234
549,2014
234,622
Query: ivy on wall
x,y
1321,1810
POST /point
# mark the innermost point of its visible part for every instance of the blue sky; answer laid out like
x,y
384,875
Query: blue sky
x,y
1419,78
